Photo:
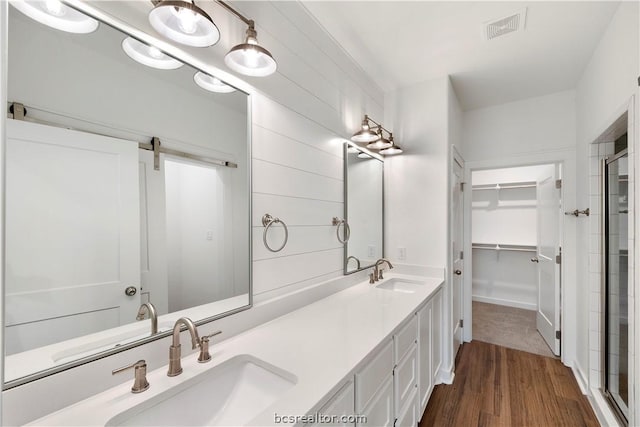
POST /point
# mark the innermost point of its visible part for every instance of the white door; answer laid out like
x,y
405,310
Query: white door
x,y
153,234
72,234
456,248
548,225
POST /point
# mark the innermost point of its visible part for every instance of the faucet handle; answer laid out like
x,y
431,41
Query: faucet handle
x,y
204,355
140,382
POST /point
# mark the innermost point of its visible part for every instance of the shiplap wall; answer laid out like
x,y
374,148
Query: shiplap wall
x,y
297,149
300,117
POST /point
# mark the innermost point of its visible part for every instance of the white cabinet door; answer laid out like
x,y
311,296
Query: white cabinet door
x,y
72,233
379,411
405,379
425,377
407,416
370,378
340,408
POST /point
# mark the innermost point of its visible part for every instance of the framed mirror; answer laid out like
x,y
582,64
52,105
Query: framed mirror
x,y
126,185
364,208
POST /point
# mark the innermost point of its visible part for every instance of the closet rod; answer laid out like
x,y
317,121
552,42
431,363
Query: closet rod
x,y
505,247
504,186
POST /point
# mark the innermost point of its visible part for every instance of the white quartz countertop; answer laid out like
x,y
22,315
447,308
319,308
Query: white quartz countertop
x,y
321,344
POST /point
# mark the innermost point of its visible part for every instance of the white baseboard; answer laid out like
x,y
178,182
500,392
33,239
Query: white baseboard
x,y
508,303
580,379
446,376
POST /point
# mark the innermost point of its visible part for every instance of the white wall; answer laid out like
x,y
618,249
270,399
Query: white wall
x,y
602,95
522,133
299,116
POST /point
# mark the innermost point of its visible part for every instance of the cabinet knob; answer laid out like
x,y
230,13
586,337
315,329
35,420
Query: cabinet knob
x,y
458,272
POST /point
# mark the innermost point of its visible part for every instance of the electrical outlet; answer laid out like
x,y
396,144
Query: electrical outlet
x,y
371,251
402,254
209,235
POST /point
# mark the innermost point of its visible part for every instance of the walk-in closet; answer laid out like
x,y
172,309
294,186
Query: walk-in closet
x,y
515,224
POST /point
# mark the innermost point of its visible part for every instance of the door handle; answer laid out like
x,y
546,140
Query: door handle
x,y
535,259
130,291
458,272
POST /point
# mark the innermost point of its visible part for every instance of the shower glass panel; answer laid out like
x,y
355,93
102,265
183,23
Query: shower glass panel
x,y
616,283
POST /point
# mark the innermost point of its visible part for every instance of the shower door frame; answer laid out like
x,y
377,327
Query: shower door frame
x,y
604,342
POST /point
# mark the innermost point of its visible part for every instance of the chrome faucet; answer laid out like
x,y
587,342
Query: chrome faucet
x,y
175,367
377,271
147,307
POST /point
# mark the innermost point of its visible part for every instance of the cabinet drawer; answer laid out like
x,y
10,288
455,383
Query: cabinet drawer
x,y
406,378
371,377
406,337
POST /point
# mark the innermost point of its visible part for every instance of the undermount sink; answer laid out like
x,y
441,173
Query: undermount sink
x,y
230,394
401,285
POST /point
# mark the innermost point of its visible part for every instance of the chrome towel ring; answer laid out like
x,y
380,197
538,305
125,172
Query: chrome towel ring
x,y
268,221
347,230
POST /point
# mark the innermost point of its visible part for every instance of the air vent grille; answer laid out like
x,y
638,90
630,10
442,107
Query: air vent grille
x,y
506,25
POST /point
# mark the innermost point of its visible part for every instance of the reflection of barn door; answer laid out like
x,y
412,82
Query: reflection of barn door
x,y
72,234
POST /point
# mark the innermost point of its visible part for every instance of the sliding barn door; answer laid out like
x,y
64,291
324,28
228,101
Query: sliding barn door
x,y
72,234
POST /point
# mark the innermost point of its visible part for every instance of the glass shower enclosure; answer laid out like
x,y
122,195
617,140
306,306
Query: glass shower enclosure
x,y
616,280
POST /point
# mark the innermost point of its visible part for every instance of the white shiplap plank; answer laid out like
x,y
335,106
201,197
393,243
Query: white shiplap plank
x,y
275,273
295,211
269,178
279,149
274,116
302,239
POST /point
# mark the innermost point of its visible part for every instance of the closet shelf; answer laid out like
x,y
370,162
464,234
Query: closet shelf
x,y
505,185
504,247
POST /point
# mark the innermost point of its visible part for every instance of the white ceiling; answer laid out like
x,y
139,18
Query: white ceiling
x,y
399,43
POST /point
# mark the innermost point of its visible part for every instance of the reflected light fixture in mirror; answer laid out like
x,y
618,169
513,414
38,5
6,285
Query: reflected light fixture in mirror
x,y
148,55
249,58
365,134
55,14
184,22
212,84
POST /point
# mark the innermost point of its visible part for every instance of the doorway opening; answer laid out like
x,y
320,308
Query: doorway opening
x,y
516,229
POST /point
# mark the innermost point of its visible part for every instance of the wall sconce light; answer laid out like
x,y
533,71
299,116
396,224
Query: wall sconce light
x,y
376,139
56,14
211,83
184,22
392,150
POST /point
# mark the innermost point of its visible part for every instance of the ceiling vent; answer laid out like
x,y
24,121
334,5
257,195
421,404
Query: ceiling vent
x,y
506,25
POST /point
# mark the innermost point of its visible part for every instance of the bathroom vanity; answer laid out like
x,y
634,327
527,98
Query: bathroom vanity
x,y
372,350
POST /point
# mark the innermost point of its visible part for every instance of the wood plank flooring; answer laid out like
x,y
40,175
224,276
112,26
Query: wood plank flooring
x,y
499,386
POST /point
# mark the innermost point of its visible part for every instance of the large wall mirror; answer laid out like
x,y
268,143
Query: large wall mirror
x,y
364,208
125,185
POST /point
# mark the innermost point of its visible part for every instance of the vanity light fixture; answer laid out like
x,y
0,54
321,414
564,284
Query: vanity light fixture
x,y
212,84
365,134
56,14
184,22
382,142
394,149
249,58
148,55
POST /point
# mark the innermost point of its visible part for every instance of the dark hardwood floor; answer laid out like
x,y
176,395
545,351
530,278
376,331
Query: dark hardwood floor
x,y
499,386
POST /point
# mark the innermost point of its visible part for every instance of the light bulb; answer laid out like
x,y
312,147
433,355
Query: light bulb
x,y
251,58
187,20
54,7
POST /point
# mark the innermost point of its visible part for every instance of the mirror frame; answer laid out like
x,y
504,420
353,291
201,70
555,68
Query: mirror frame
x,y
378,157
139,35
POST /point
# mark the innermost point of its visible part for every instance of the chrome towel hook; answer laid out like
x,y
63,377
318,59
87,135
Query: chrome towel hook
x,y
347,230
268,221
